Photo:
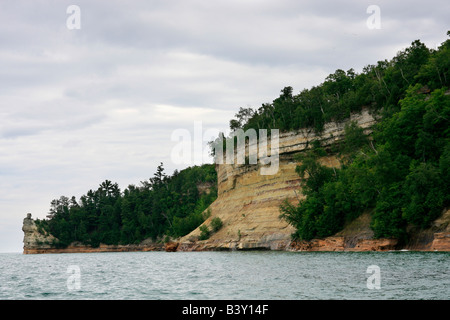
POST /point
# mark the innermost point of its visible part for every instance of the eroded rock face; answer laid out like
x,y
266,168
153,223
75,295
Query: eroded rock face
x,y
248,202
33,239
171,246
441,241
341,244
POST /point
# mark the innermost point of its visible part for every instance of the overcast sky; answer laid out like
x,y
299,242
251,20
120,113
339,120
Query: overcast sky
x,y
78,106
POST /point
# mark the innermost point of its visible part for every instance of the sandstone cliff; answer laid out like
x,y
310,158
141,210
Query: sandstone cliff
x,y
34,240
248,205
248,202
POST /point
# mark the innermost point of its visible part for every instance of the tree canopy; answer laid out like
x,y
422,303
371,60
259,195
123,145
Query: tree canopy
x,y
379,86
401,172
160,206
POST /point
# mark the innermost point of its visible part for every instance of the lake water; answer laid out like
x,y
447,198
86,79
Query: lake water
x,y
226,275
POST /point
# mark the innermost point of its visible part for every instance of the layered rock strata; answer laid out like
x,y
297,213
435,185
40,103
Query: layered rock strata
x,y
33,240
248,204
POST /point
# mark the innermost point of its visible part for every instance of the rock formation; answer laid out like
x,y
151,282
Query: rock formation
x,y
248,204
33,239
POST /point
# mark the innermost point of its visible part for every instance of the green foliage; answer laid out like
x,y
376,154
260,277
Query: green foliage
x,y
204,233
403,170
216,224
161,206
425,191
436,72
355,141
378,86
313,174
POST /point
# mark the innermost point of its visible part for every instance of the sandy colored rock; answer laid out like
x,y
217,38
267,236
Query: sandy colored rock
x,y
249,202
33,240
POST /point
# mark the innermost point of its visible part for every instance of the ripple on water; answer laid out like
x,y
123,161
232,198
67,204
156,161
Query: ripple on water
x,y
225,275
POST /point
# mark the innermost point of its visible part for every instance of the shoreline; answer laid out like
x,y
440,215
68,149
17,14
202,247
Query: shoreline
x,y
92,250
88,249
441,243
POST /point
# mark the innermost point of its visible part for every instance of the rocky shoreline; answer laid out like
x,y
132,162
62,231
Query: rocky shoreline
x,y
87,249
36,243
331,244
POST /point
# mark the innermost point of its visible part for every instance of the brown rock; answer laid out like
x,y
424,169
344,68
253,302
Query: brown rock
x,y
78,248
441,242
375,245
327,244
171,246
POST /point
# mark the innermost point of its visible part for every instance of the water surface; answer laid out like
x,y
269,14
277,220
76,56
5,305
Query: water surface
x,y
225,275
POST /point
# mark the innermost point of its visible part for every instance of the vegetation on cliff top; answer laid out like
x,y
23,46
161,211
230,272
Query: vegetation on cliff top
x,y
402,171
161,206
379,87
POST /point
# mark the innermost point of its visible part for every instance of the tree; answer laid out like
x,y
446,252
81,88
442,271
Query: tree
x,y
402,170
313,174
424,195
216,224
204,232
59,208
354,141
284,109
243,115
159,176
436,73
387,221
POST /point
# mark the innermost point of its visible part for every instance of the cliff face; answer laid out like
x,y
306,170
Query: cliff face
x,y
33,240
248,202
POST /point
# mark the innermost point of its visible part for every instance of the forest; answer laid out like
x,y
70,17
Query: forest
x,y
400,173
160,207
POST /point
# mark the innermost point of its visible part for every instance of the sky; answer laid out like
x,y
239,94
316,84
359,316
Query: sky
x,y
96,93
